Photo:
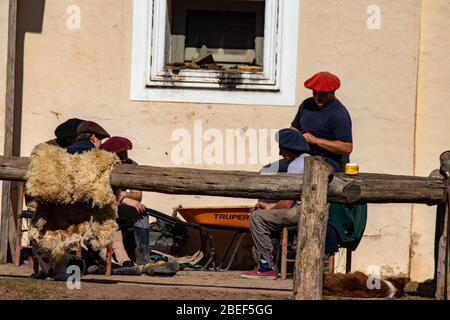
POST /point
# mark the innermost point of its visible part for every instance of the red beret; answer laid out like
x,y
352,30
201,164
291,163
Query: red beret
x,y
324,82
117,144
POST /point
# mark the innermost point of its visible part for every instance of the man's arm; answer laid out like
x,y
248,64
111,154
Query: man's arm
x,y
282,204
132,194
335,146
132,198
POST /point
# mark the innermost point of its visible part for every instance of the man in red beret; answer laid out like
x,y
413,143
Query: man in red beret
x,y
325,122
327,126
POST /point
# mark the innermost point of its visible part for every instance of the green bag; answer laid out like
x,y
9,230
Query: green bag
x,y
349,221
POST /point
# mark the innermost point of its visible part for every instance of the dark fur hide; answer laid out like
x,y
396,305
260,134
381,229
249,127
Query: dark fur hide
x,y
356,285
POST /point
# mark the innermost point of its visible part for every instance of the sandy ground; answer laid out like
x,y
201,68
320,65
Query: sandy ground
x,y
15,283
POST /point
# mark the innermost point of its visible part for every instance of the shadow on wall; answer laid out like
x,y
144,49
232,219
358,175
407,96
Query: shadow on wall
x,y
30,17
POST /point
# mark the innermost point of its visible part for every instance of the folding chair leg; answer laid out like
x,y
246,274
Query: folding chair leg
x,y
108,260
240,236
348,262
34,263
284,244
331,264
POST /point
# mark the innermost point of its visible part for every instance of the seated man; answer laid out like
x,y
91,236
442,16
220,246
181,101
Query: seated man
x,y
89,136
66,133
270,217
130,210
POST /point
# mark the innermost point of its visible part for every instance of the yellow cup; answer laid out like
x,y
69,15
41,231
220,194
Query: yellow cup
x,y
351,169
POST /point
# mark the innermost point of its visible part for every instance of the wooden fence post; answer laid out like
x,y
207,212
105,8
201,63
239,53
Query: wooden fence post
x,y
15,222
442,236
308,273
9,128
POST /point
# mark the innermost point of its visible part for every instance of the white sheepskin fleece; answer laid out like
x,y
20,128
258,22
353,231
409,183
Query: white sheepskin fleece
x,y
76,204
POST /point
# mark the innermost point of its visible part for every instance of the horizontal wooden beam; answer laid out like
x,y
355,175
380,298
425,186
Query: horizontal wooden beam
x,y
370,188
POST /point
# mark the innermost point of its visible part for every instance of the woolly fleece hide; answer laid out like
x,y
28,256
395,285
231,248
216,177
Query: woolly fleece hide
x,y
76,204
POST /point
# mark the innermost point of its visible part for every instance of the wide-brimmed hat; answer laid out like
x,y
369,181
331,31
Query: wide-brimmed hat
x,y
292,139
68,129
117,144
324,82
92,127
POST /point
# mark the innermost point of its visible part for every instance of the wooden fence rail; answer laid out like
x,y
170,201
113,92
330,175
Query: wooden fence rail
x,y
366,188
320,187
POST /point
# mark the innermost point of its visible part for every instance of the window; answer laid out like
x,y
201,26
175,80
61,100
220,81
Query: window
x,y
233,36
247,48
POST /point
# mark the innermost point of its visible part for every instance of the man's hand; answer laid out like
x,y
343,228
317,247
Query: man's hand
x,y
134,203
335,146
261,205
312,139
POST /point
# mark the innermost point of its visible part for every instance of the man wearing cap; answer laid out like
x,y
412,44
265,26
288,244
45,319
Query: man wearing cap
x,y
327,126
130,210
89,136
325,122
269,217
66,133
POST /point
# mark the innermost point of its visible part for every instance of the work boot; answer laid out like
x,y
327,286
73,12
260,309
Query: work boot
x,y
167,269
130,271
124,271
142,236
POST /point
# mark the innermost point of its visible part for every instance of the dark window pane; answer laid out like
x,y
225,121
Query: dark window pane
x,y
220,29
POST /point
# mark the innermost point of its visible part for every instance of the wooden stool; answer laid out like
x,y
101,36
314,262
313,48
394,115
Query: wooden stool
x,y
285,260
108,260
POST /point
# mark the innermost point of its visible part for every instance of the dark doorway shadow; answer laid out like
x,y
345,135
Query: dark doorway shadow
x,y
30,18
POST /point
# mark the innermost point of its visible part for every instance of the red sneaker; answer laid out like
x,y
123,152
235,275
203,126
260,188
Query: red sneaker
x,y
258,274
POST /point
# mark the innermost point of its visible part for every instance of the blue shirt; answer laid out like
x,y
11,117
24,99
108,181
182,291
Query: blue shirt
x,y
331,123
80,146
297,165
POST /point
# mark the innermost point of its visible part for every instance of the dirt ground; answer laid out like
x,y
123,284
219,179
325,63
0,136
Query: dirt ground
x,y
16,284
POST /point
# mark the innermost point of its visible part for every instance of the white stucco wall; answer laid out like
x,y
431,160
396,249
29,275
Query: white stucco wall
x,y
86,73
378,69
433,131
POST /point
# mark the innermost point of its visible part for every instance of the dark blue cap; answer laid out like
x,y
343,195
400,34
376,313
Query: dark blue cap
x,y
292,139
68,128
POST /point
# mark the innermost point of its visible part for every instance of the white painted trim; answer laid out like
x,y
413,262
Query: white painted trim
x,y
285,72
159,77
